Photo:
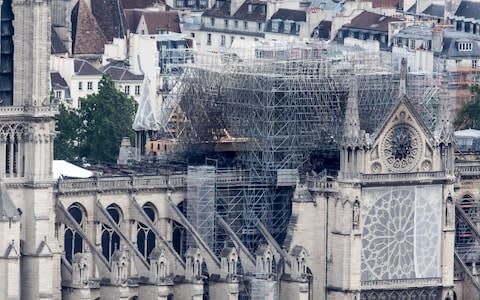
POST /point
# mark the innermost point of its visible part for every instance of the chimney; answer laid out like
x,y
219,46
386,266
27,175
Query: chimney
x,y
437,39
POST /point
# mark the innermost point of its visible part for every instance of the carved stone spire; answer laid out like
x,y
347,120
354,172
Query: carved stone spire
x,y
444,128
351,129
402,90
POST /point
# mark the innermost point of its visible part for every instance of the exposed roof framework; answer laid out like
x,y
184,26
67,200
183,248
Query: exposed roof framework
x,y
283,103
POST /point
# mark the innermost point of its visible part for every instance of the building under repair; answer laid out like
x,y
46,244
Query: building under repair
x,y
312,173
267,117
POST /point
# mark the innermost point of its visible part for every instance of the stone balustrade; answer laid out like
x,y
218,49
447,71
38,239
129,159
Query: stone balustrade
x,y
11,111
468,169
401,283
408,176
321,184
103,184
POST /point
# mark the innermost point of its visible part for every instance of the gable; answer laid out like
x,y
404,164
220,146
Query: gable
x,y
403,144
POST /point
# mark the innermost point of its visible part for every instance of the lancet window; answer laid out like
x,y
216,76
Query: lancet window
x,y
73,242
111,239
145,235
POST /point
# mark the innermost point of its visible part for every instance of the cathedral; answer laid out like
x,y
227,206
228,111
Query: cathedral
x,y
383,228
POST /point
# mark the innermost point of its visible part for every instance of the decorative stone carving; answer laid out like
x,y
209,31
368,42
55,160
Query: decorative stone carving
x,y
401,148
159,265
264,261
80,266
119,266
228,260
193,268
299,265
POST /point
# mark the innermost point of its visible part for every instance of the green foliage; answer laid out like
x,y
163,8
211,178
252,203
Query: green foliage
x,y
104,118
469,115
67,127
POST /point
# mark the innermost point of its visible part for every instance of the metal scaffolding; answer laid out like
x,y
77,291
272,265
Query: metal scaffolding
x,y
278,104
201,203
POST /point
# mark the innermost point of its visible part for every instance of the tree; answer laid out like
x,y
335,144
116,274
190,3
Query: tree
x,y
67,127
469,115
95,130
106,118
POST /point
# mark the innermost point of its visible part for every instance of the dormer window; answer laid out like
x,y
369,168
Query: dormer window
x,y
275,25
464,46
287,26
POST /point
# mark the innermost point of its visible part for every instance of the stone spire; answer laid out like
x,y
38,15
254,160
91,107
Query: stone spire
x,y
402,90
444,128
351,129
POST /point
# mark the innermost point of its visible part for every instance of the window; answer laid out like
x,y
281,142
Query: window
x,y
232,38
137,90
89,85
110,238
275,25
259,26
73,242
80,85
192,34
235,24
465,46
58,94
209,39
225,23
474,63
127,89
245,25
222,41
145,236
412,44
212,21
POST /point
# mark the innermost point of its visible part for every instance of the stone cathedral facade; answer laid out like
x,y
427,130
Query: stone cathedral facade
x,y
384,228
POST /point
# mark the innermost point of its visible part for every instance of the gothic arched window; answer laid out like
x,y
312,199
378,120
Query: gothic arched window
x,y
73,242
464,236
145,235
111,239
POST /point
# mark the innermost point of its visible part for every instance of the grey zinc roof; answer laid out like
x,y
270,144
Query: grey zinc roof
x,y
57,80
121,74
450,48
290,14
468,9
434,10
82,67
330,5
416,32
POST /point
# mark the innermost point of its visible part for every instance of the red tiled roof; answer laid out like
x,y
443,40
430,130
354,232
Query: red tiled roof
x,y
133,17
385,3
88,37
371,21
162,21
127,4
110,18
